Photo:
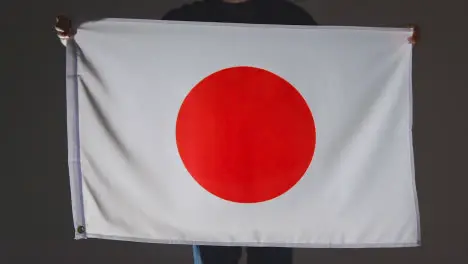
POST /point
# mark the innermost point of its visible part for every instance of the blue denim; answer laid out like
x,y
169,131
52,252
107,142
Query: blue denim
x,y
196,255
232,255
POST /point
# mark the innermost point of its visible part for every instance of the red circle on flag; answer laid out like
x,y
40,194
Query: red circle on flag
x,y
245,134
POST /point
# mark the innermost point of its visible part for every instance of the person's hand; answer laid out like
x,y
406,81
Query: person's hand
x,y
415,37
63,27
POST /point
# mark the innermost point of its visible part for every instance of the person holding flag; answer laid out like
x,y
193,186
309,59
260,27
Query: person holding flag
x,y
279,12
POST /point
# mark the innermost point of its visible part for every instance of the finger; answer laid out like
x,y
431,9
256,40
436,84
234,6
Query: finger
x,y
415,37
63,35
58,29
61,32
63,23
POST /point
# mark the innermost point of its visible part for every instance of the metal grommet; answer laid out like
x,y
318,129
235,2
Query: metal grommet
x,y
80,230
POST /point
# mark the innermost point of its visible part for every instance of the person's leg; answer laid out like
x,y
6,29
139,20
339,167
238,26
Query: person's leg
x,y
216,255
196,255
269,255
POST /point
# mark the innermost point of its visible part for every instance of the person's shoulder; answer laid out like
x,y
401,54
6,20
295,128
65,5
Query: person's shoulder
x,y
293,12
187,12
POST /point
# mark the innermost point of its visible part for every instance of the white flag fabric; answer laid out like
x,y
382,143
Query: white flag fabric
x,y
232,134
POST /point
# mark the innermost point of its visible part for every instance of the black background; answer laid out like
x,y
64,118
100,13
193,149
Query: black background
x,y
36,220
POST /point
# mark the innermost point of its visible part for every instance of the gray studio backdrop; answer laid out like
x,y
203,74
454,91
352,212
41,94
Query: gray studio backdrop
x,y
36,220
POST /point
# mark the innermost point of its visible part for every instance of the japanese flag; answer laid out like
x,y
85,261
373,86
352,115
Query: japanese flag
x,y
232,134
